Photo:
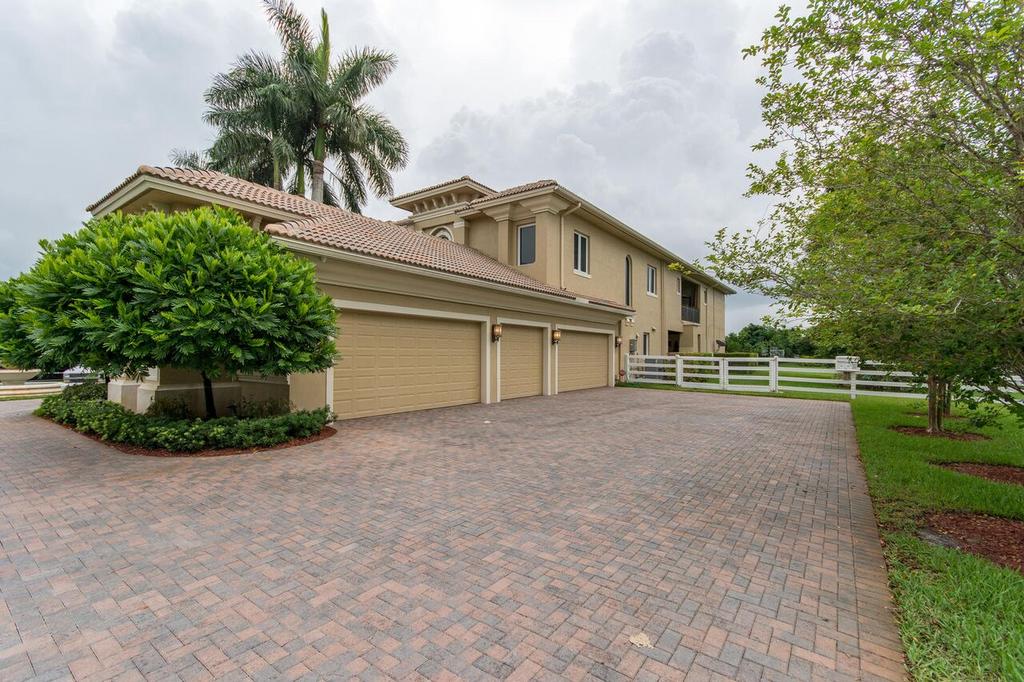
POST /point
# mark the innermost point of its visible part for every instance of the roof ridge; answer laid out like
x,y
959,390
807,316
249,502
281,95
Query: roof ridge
x,y
440,185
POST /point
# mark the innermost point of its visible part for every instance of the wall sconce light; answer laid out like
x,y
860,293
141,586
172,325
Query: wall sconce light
x,y
495,332
618,341
556,336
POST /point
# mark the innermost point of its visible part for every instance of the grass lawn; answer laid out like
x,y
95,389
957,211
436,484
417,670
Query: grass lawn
x,y
961,617
23,397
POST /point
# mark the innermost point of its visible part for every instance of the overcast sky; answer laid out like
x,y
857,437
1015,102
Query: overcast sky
x,y
644,107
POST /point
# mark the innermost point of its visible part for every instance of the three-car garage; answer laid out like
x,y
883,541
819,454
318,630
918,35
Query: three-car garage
x,y
398,360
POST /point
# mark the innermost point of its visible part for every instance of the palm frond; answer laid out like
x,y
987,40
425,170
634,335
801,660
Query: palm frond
x,y
290,24
189,158
361,70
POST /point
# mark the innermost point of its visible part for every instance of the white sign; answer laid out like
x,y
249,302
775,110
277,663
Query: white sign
x,y
847,363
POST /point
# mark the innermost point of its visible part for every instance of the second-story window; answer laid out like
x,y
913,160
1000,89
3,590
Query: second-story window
x,y
629,281
679,285
527,244
581,253
652,280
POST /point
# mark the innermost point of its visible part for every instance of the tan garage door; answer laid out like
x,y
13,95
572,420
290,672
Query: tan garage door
x,y
522,362
394,363
582,361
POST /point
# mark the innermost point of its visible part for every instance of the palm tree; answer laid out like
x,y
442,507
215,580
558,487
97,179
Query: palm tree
x,y
283,118
364,144
255,107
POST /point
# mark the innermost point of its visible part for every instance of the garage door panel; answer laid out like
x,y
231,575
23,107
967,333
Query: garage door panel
x,y
522,362
392,363
582,361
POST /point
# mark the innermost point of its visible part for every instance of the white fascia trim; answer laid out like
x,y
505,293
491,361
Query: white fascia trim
x,y
343,304
328,252
436,212
485,334
588,330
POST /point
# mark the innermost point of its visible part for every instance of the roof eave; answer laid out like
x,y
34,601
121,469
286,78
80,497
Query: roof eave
x,y
141,183
312,248
480,205
637,236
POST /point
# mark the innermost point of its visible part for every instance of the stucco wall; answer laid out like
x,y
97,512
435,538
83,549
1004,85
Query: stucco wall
x,y
346,281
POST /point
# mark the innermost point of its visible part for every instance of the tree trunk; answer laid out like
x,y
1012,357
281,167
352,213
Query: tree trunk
x,y
317,181
935,400
300,178
947,400
211,408
278,185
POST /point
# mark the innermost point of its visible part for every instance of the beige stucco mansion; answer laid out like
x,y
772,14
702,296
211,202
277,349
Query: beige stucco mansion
x,y
479,295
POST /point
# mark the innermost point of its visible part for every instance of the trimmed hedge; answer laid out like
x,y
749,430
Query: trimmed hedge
x,y
86,409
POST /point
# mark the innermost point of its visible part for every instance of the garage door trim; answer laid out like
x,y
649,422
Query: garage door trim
x,y
545,350
485,336
590,330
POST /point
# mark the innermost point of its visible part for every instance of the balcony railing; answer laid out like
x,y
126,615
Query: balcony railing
x,y
691,314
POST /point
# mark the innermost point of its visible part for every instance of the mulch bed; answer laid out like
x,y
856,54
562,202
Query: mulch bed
x,y
1002,473
1001,541
948,435
326,432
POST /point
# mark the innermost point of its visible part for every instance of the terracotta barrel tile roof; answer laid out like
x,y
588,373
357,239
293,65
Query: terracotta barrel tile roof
x,y
395,243
340,229
439,185
518,189
212,181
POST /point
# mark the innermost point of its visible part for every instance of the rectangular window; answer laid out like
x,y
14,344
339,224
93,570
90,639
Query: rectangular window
x,y
647,344
581,253
679,285
705,295
652,280
527,244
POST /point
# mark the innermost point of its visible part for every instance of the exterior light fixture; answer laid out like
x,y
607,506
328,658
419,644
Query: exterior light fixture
x,y
618,341
556,335
496,332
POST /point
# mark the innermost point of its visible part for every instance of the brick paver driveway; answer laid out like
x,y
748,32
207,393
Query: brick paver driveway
x,y
525,540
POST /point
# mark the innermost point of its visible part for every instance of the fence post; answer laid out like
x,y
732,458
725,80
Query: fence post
x,y
723,373
679,370
629,368
853,385
773,374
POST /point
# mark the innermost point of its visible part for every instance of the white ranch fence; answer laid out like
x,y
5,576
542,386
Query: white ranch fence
x,y
772,375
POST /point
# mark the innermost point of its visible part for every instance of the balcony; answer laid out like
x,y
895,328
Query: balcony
x,y
691,314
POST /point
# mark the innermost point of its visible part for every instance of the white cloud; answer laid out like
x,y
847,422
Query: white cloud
x,y
644,107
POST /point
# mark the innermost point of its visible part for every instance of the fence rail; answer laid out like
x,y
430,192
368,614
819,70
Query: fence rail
x,y
772,375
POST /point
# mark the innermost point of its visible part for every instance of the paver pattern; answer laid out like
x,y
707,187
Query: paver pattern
x,y
526,540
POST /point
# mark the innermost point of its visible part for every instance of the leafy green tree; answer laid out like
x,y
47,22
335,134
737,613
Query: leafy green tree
x,y
304,113
197,290
760,339
899,226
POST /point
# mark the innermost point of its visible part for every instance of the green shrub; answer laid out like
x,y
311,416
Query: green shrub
x,y
112,422
170,408
86,391
252,409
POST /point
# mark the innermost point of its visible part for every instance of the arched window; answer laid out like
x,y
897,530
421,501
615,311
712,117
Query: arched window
x,y
629,281
443,233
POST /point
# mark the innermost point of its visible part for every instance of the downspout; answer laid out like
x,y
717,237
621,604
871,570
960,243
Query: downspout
x,y
561,242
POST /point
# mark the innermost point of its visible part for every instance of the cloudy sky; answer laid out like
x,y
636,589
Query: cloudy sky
x,y
644,107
